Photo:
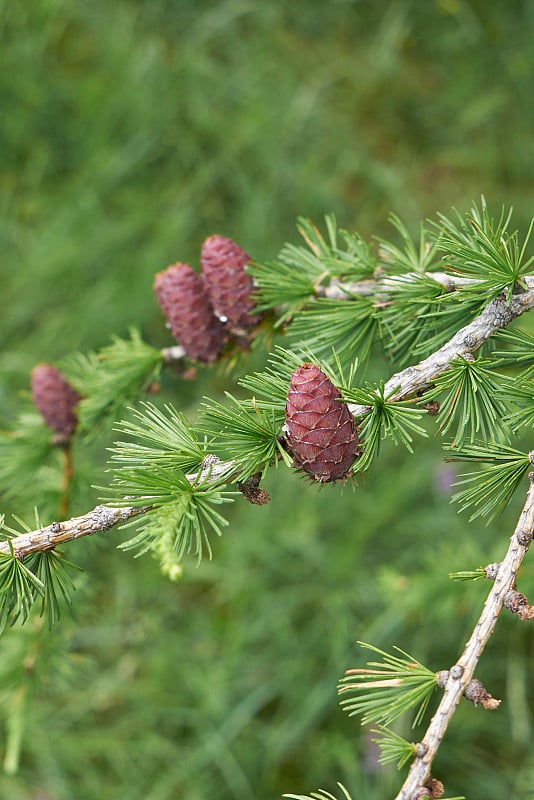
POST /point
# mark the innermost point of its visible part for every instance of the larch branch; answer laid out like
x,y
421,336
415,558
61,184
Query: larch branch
x,y
100,518
495,316
461,674
342,290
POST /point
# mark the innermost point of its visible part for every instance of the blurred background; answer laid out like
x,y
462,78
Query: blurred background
x,y
130,131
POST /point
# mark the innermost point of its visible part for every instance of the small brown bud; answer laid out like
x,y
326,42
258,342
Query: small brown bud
x,y
432,408
435,787
56,401
490,570
252,491
321,433
477,694
517,603
183,299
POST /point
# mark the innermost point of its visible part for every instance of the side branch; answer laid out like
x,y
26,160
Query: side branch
x,y
369,287
101,518
462,672
172,354
497,314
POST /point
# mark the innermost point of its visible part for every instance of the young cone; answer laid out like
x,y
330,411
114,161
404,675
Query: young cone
x,y
230,288
56,401
183,299
321,433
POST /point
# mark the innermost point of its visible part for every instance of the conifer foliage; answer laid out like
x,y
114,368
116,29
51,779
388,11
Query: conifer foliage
x,y
442,305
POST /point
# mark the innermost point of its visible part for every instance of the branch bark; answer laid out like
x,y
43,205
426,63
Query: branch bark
x,y
339,290
461,674
101,518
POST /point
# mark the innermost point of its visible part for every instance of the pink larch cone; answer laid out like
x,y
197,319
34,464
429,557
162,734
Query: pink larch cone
x,y
321,433
184,300
229,286
56,401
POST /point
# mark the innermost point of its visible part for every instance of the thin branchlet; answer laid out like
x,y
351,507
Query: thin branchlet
x,y
461,675
98,520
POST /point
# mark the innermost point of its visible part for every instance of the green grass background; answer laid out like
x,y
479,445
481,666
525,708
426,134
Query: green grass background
x,y
129,131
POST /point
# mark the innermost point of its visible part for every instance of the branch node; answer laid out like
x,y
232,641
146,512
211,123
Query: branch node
x,y
477,694
457,671
421,793
172,354
432,408
503,315
252,491
55,527
436,787
442,678
421,749
470,342
491,570
517,603
524,537
432,788
210,460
